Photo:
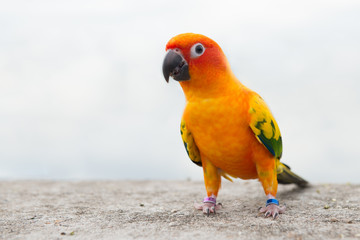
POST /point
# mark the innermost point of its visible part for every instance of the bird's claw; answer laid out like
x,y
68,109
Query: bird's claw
x,y
208,208
272,210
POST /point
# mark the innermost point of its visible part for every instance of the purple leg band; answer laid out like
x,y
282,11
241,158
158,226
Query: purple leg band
x,y
209,200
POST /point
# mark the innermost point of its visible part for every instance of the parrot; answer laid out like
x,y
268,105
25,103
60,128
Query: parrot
x,y
227,129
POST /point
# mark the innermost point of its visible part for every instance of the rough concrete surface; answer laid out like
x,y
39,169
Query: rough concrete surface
x,y
164,210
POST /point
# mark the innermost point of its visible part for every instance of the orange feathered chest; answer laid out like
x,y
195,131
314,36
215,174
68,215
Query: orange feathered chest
x,y
220,127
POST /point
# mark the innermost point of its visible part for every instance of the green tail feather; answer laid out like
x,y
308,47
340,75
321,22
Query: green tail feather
x,y
286,176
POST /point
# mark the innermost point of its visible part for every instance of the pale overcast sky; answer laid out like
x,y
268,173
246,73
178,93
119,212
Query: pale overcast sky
x,y
82,94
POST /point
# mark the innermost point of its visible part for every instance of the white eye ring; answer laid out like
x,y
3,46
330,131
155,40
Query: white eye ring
x,y
197,50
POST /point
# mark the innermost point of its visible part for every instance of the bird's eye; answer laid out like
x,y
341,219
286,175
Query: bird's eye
x,y
197,50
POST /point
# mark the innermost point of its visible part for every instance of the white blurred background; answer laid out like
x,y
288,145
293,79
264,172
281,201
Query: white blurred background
x,y
82,94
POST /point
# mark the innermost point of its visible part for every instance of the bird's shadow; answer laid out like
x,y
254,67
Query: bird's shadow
x,y
294,192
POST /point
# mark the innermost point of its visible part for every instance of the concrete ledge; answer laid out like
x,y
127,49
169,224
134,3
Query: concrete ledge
x,y
164,210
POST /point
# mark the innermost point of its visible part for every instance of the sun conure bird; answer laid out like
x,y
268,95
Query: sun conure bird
x,y
226,127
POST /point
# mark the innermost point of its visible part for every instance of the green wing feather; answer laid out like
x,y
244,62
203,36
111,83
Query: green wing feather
x,y
264,126
267,132
189,143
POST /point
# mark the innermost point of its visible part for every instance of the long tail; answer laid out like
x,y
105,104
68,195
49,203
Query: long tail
x,y
286,176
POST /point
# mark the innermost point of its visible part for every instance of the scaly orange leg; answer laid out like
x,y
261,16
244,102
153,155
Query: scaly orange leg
x,y
212,179
268,177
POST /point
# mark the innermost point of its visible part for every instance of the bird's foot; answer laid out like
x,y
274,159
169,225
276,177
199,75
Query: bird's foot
x,y
272,208
208,206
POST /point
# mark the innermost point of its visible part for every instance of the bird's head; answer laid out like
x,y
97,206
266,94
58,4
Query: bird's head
x,y
196,61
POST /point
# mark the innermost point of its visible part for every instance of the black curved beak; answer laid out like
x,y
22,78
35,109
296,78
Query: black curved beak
x,y
175,65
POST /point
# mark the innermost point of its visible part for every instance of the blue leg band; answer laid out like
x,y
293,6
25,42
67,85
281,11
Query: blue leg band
x,y
272,201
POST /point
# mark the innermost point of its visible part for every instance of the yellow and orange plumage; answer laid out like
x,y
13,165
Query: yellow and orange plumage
x,y
226,127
